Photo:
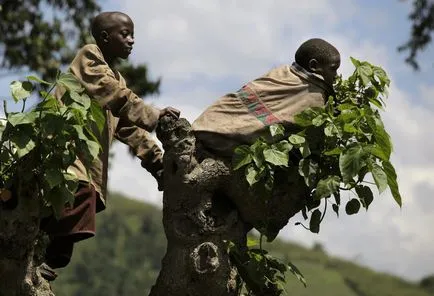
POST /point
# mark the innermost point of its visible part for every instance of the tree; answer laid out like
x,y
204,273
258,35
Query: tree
x,y
210,203
422,19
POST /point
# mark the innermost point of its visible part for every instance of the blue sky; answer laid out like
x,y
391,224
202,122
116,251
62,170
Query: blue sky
x,y
203,49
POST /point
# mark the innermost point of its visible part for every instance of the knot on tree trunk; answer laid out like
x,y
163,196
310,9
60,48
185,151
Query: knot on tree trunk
x,y
205,258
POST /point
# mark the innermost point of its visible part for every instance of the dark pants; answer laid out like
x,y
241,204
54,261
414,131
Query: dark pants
x,y
75,224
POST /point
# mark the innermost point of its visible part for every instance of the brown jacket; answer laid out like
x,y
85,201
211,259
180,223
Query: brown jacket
x,y
241,117
128,118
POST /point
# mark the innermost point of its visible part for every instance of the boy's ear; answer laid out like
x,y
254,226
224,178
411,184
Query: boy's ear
x,y
104,36
313,66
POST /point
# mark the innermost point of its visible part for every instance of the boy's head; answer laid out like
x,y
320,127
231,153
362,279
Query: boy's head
x,y
114,34
319,57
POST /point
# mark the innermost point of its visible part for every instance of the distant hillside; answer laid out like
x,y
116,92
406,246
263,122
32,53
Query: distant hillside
x,y
124,260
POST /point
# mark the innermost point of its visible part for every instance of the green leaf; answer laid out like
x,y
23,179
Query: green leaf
x,y
296,139
308,169
70,82
350,162
276,157
355,62
97,115
80,133
376,103
365,73
336,209
349,128
380,177
383,141
23,142
295,271
365,195
37,79
327,187
392,182
257,150
331,129
378,152
319,120
16,119
94,148
20,90
242,156
283,146
381,75
53,177
315,220
305,150
352,207
277,130
334,151
50,103
305,117
82,99
252,175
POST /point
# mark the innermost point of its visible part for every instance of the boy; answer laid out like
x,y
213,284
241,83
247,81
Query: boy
x,y
241,117
128,119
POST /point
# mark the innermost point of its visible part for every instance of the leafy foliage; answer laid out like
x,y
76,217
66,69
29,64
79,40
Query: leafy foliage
x,y
335,150
40,144
263,274
43,35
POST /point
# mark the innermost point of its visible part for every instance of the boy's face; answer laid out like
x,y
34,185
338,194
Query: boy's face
x,y
328,70
120,37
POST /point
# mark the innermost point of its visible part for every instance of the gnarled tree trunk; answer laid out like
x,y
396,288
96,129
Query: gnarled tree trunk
x,y
22,245
206,204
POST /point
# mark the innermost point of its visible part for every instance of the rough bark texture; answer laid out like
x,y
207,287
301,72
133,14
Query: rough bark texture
x,y
197,220
22,246
205,203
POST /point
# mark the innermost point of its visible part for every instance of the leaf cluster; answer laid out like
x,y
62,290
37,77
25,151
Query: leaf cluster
x,y
40,144
337,148
422,20
43,35
262,273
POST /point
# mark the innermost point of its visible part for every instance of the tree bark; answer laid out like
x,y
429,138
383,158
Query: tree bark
x,y
22,245
198,219
206,204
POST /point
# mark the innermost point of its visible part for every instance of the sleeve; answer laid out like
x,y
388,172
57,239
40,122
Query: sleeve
x,y
142,145
101,84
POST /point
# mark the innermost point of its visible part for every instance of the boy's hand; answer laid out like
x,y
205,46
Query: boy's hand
x,y
169,111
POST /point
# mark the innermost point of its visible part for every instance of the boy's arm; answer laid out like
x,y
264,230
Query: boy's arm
x,y
143,146
100,83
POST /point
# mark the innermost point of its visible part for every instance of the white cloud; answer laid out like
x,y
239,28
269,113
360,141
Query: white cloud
x,y
203,49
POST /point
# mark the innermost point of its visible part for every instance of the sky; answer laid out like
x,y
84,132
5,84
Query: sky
x,y
204,49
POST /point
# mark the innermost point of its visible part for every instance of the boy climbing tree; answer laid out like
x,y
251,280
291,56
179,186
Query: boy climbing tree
x,y
128,119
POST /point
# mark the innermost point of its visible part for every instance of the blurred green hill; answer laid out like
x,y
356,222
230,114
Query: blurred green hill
x,y
124,260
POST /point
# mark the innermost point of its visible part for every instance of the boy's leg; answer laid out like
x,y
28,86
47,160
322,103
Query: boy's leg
x,y
76,223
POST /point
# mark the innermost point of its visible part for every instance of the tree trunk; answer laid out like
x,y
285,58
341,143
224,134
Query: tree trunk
x,y
206,204
197,218
22,245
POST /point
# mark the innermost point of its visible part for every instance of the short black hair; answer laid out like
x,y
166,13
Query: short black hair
x,y
104,22
315,48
